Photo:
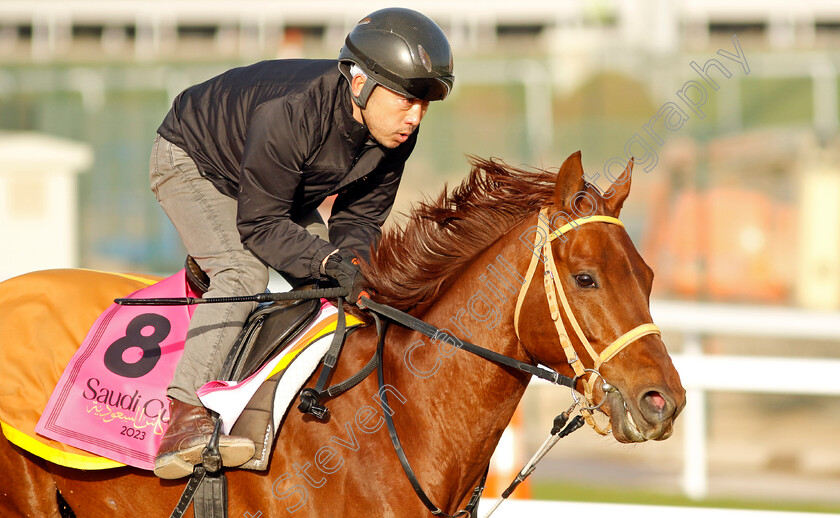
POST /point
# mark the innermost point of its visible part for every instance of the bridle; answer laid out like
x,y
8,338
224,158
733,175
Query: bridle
x,y
554,292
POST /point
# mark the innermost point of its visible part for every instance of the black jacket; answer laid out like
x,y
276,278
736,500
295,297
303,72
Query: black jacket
x,y
279,137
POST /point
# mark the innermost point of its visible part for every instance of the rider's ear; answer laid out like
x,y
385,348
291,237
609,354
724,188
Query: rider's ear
x,y
570,181
619,190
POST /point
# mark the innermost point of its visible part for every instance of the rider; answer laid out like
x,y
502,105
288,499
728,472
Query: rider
x,y
241,163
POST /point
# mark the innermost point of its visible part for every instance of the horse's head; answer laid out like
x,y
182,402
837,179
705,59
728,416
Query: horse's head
x,y
588,300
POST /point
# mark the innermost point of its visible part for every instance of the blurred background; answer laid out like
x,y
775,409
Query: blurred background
x,y
730,108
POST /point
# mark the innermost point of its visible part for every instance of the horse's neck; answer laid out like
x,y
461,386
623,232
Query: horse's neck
x,y
460,403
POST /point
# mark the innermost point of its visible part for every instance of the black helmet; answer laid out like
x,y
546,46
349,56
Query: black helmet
x,y
402,50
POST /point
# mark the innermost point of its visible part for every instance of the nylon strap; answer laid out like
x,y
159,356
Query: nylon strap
x,y
189,491
392,430
344,386
625,340
434,333
331,358
580,221
469,510
558,304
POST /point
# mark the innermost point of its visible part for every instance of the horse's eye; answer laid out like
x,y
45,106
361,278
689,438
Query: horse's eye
x,y
585,281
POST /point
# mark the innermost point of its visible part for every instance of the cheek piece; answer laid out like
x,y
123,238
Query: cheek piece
x,y
558,304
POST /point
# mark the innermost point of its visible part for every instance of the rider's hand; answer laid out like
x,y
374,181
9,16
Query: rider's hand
x,y
347,274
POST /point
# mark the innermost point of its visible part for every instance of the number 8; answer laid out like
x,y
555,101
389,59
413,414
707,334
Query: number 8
x,y
133,338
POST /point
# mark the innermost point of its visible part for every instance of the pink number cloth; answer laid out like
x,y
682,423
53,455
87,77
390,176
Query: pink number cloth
x,y
111,398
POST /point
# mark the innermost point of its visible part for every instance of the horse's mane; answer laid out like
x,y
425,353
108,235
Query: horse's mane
x,y
441,236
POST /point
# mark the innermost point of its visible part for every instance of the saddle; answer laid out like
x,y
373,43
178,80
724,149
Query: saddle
x,y
268,330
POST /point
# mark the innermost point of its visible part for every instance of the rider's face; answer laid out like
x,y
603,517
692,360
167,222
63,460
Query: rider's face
x,y
390,117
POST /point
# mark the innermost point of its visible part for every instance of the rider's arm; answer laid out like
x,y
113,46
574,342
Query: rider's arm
x,y
279,139
360,210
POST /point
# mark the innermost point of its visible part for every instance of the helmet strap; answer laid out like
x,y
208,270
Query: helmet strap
x,y
364,95
367,88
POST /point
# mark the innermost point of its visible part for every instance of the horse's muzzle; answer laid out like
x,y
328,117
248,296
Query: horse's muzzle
x,y
649,417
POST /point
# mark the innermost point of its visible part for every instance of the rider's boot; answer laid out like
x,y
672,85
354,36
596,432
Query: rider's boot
x,y
190,428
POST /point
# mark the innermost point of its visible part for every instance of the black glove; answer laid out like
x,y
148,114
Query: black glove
x,y
347,274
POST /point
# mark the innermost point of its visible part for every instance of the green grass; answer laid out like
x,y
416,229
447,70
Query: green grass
x,y
605,494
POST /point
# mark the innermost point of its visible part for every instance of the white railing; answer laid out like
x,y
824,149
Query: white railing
x,y
701,373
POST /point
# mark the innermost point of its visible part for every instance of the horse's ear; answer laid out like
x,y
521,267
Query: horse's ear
x,y
619,189
570,181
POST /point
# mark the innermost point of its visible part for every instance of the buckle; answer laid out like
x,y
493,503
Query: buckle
x,y
309,404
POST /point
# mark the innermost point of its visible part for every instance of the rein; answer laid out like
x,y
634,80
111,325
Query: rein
x,y
554,292
406,320
395,440
424,328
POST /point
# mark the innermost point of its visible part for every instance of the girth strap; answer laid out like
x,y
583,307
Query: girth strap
x,y
310,398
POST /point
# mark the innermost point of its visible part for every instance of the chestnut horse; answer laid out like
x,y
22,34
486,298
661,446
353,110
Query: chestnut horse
x,y
459,263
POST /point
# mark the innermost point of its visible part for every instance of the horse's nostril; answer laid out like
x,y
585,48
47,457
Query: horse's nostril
x,y
656,401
